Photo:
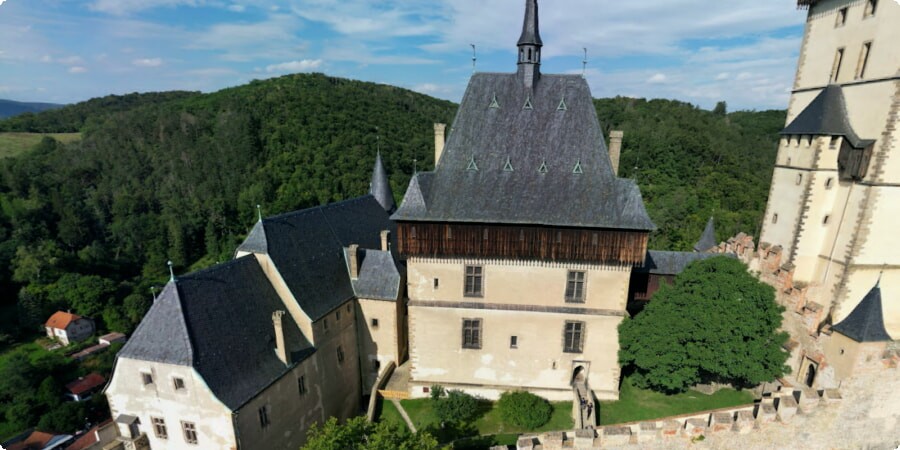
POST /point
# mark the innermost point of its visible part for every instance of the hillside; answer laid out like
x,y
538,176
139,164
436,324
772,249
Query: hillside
x,y
9,108
178,175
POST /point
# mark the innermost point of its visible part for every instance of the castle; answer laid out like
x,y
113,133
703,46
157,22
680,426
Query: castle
x,y
511,264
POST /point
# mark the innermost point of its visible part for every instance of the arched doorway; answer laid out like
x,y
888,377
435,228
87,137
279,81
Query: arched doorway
x,y
579,375
810,375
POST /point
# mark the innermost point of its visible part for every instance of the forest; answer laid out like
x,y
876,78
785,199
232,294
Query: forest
x,y
88,226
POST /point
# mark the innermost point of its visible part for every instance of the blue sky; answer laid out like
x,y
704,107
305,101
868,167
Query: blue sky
x,y
701,51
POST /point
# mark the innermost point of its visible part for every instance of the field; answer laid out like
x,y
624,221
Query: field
x,y
14,144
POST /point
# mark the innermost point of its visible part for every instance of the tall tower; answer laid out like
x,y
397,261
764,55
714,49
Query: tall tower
x,y
835,191
520,244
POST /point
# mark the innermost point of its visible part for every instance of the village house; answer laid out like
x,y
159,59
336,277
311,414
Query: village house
x,y
68,328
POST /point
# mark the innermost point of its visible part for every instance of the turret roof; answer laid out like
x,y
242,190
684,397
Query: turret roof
x,y
866,322
827,115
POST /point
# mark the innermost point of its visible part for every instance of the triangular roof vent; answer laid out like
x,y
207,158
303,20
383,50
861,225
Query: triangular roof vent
x,y
528,105
508,167
562,105
543,168
577,168
494,103
472,166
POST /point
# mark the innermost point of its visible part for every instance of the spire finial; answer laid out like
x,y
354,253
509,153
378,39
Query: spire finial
x,y
153,292
530,46
171,272
880,274
474,57
259,212
584,64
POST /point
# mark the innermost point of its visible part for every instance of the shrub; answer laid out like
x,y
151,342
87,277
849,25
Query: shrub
x,y
456,406
524,409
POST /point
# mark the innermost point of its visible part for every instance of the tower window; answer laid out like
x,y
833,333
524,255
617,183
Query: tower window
x,y
829,183
146,378
825,220
573,337
841,17
340,354
374,323
575,287
836,68
437,283
190,432
471,335
863,60
474,281
871,6
513,342
799,179
159,428
301,384
178,383
775,218
264,417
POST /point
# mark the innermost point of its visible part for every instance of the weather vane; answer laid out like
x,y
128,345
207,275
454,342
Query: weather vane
x,y
474,57
584,64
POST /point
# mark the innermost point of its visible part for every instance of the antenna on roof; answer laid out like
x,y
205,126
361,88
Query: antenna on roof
x,y
259,212
171,272
415,166
474,57
878,283
584,64
153,292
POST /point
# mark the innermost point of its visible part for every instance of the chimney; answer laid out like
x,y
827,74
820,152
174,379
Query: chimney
x,y
440,130
615,149
385,240
280,348
353,256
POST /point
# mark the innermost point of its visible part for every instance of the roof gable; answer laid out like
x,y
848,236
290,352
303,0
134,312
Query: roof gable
x,y
61,320
379,278
162,336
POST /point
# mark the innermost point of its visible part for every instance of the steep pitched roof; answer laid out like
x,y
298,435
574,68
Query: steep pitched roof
x,y
827,115
223,327
673,263
708,238
256,241
308,249
380,187
866,322
379,278
578,189
531,32
61,320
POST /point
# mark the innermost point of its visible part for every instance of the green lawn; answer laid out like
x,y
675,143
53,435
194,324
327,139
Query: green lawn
x,y
487,425
638,404
14,144
385,411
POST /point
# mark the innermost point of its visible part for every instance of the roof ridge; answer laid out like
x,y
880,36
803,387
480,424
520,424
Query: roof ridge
x,y
215,267
312,209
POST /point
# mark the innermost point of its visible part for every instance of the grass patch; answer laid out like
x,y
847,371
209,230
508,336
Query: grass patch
x,y
385,411
14,144
636,404
488,429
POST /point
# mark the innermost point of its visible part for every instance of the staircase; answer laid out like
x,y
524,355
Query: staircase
x,y
584,407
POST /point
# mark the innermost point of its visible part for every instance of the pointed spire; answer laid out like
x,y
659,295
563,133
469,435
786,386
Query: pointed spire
x,y
259,212
530,46
171,272
866,322
708,238
531,33
380,187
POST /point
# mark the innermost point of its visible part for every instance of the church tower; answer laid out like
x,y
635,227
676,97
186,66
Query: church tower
x,y
835,190
530,46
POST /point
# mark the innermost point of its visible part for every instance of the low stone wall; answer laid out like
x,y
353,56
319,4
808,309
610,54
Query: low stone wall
x,y
379,383
781,407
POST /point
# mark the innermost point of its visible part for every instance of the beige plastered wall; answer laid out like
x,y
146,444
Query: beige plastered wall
x,y
195,403
527,298
382,343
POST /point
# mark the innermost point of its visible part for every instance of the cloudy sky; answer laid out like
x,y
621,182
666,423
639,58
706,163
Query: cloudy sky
x,y
701,51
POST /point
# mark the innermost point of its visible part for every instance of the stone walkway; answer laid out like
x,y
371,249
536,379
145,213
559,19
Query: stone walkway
x,y
587,407
405,416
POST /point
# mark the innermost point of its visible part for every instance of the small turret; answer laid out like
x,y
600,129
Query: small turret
x,y
708,239
530,46
380,187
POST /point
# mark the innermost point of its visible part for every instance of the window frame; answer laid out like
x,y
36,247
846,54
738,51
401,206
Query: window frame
x,y
178,384
147,376
863,62
836,67
160,430
374,322
301,385
578,287
477,283
263,414
841,19
189,433
514,342
569,336
340,354
870,9
472,334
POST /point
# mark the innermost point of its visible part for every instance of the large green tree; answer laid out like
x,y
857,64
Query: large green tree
x,y
360,434
717,323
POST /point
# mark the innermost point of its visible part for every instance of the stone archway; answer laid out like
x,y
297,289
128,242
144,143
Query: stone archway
x,y
810,375
579,375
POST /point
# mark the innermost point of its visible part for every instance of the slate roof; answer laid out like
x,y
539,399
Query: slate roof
x,y
380,187
672,263
866,322
531,32
256,241
708,238
219,321
561,132
379,278
827,115
308,249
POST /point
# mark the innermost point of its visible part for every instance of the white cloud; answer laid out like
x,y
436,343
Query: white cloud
x,y
77,69
305,65
70,60
147,62
658,78
274,38
237,8
723,76
212,72
123,7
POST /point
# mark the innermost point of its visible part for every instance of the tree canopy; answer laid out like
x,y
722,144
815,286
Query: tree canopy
x,y
717,323
360,434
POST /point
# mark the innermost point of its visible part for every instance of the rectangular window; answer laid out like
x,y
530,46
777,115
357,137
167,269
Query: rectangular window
x,y
337,316
159,428
340,354
325,323
301,384
825,220
513,342
871,6
863,60
574,337
437,283
190,432
841,17
575,287
179,383
474,281
146,378
799,179
774,218
376,365
836,69
471,335
829,183
374,323
264,417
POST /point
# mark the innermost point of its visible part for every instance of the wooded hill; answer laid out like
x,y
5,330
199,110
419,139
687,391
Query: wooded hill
x,y
89,225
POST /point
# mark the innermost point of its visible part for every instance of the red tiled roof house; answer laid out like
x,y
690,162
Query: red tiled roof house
x,y
68,327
